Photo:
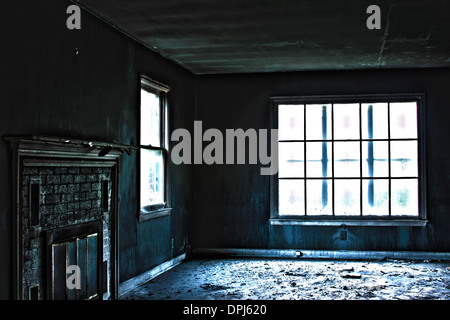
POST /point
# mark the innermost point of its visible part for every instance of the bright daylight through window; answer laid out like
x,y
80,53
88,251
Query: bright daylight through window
x,y
348,159
153,124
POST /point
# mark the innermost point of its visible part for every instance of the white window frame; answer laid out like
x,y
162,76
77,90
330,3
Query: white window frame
x,y
327,220
161,90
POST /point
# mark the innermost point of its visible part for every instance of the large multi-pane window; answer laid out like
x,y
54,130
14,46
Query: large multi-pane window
x,y
348,157
154,142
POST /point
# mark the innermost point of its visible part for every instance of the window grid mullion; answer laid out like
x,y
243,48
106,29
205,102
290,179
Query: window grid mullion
x,y
389,159
360,163
350,178
349,140
304,156
332,161
162,122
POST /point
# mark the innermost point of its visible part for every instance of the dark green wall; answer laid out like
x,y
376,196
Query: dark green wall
x,y
46,89
232,209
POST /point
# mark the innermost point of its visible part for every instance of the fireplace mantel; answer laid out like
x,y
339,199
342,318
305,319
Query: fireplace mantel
x,y
76,182
67,148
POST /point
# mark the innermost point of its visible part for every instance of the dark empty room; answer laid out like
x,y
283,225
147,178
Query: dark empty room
x,y
225,150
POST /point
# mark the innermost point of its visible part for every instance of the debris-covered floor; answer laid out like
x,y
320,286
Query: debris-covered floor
x,y
269,279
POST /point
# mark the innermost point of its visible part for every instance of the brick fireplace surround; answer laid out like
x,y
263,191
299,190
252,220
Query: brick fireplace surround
x,y
65,212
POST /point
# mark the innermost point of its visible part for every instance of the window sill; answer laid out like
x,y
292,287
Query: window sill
x,y
149,215
345,222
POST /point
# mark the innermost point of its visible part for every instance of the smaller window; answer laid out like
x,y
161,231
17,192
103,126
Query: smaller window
x,y
154,145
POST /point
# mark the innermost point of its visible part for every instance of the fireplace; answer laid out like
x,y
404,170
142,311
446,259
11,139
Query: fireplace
x,y
65,218
79,249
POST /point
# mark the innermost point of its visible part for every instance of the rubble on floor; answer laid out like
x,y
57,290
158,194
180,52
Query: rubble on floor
x,y
273,279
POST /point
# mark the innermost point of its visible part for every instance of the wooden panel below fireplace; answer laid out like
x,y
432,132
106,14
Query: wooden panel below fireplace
x,y
74,262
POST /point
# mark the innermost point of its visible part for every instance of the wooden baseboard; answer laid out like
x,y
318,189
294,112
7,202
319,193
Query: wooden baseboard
x,y
319,254
139,280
